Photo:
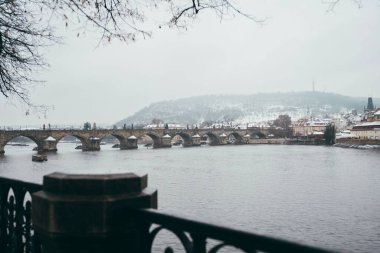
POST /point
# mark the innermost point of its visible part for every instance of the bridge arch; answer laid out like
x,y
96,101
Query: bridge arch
x,y
75,139
37,141
118,137
77,136
156,140
213,139
235,138
259,134
186,139
31,137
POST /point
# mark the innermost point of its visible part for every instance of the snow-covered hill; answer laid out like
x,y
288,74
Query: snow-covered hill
x,y
245,108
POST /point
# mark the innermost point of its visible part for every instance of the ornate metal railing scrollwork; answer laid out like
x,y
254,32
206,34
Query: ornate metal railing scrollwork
x,y
195,236
16,229
17,234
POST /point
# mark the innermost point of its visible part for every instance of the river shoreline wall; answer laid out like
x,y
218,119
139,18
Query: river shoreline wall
x,y
360,142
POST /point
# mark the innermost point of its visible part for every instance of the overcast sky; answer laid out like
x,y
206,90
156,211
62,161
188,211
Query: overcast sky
x,y
299,42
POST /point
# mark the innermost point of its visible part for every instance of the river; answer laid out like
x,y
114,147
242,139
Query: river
x,y
321,196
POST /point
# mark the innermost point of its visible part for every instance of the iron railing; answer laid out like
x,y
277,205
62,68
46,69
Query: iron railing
x,y
17,234
200,237
16,230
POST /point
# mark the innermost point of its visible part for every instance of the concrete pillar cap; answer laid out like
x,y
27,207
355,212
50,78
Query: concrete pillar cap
x,y
95,184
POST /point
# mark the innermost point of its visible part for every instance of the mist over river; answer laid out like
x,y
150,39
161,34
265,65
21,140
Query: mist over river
x,y
322,196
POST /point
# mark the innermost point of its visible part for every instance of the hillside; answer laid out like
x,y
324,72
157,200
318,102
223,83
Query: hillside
x,y
246,108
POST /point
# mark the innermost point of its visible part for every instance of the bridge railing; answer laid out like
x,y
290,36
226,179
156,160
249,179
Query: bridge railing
x,y
17,233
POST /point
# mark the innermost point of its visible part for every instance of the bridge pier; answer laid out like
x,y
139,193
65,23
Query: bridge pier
x,y
2,144
188,143
246,138
223,139
129,143
194,141
92,144
164,142
48,145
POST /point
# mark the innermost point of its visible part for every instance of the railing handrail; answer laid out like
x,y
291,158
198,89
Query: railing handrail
x,y
233,237
32,187
245,240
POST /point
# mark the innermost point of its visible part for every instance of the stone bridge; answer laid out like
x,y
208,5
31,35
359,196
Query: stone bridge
x,y
47,139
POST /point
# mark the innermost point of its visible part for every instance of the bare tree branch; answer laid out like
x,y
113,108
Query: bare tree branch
x,y
25,28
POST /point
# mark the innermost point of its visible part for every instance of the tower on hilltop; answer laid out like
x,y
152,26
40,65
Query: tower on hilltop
x,y
370,106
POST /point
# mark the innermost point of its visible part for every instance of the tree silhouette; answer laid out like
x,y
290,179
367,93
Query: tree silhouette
x,y
284,122
329,134
87,126
25,27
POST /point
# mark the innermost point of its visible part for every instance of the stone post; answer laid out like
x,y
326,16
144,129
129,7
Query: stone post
x,y
87,213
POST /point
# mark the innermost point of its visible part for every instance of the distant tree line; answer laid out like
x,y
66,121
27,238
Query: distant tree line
x,y
329,134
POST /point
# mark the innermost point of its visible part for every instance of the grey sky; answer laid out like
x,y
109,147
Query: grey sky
x,y
300,42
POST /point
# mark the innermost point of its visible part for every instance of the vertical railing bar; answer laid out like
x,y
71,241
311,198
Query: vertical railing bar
x,y
3,217
19,193
143,240
199,243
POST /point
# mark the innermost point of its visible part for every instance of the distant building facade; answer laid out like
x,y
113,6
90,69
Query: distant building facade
x,y
306,127
369,129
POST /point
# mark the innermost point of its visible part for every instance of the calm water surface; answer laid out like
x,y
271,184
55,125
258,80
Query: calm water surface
x,y
322,196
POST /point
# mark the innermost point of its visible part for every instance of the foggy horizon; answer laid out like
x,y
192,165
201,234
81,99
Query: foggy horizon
x,y
299,43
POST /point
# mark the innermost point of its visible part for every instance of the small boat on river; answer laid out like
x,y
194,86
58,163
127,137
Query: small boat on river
x,y
39,158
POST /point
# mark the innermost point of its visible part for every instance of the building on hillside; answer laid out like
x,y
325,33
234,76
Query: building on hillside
x,y
370,128
367,130
309,127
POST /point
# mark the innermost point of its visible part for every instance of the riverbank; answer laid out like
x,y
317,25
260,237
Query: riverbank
x,y
357,143
267,141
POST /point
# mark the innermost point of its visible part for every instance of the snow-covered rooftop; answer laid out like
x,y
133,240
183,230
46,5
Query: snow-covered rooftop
x,y
132,137
372,123
196,136
223,135
166,136
94,138
50,139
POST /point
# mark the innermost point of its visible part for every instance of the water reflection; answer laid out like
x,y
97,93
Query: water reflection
x,y
317,195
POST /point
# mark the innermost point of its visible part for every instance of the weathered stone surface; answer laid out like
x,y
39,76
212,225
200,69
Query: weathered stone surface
x,y
75,212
